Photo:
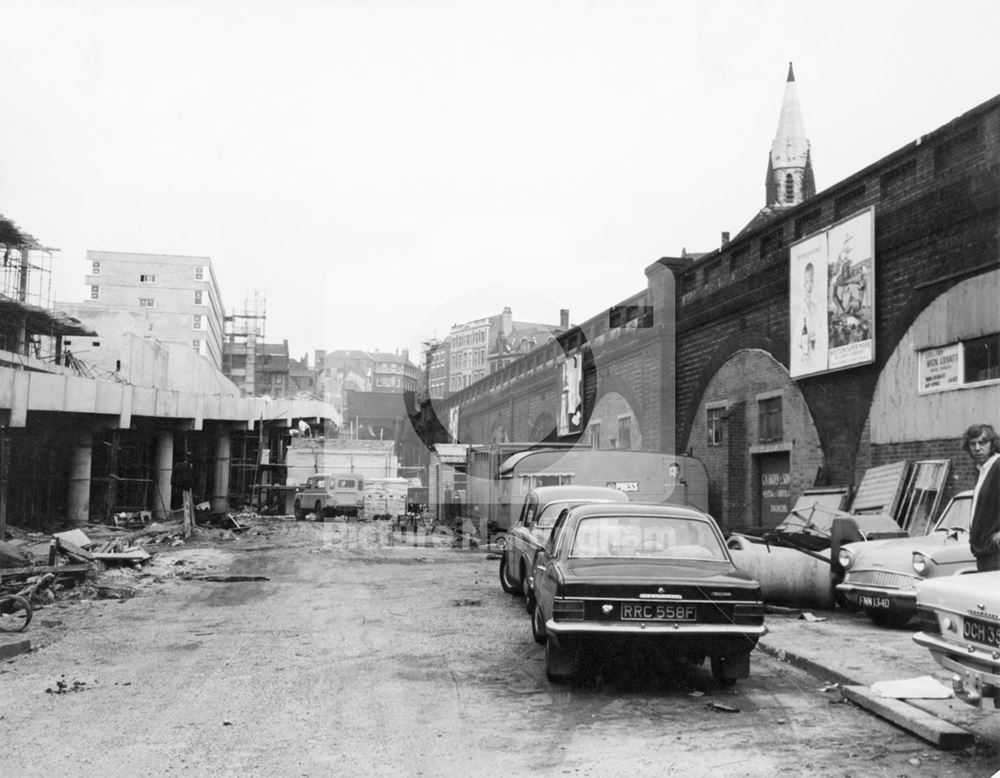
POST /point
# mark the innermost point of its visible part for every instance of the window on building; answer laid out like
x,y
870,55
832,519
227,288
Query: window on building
x,y
197,297
789,188
147,278
595,436
769,418
95,267
982,359
197,345
196,323
95,292
625,432
715,423
146,302
199,273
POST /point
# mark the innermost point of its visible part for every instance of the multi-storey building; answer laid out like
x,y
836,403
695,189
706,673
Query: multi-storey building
x,y
395,373
174,299
436,360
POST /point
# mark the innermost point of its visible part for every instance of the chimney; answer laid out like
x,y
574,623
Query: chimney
x,y
725,238
506,321
406,355
564,318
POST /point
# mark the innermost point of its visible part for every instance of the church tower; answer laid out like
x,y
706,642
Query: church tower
x,y
789,167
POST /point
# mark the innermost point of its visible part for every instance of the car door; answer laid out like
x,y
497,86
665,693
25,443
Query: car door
x,y
543,577
517,538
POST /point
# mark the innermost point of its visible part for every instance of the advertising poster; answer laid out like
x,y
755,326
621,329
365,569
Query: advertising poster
x,y
807,293
571,396
831,298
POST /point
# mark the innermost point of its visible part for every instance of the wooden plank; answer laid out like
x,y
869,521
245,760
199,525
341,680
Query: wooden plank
x,y
15,572
881,488
941,733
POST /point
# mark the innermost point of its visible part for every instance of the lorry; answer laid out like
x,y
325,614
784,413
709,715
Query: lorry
x,y
329,494
384,498
498,476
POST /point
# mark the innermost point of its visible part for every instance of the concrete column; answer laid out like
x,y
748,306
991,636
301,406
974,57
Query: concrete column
x,y
164,470
661,280
78,490
220,483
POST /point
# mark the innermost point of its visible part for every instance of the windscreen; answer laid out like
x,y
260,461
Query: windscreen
x,y
646,537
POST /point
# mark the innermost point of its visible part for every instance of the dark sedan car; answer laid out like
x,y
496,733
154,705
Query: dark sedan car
x,y
538,515
653,583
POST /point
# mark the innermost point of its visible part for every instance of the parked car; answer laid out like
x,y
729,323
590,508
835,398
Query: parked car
x,y
881,576
960,625
654,583
329,493
538,515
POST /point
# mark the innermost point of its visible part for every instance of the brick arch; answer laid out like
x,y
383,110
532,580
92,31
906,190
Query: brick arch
x,y
544,429
744,341
614,384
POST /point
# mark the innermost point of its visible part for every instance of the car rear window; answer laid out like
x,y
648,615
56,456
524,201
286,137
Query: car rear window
x,y
645,537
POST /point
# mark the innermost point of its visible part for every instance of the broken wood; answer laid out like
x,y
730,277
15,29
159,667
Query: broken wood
x,y
24,572
73,551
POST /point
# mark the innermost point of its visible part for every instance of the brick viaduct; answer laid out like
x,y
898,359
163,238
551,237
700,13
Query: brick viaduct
x,y
720,325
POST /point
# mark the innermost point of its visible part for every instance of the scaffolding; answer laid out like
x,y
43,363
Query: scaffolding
x,y
243,335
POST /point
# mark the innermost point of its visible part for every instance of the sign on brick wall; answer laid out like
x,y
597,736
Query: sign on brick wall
x,y
832,297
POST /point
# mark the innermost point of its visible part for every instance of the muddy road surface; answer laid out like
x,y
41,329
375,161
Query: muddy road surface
x,y
338,650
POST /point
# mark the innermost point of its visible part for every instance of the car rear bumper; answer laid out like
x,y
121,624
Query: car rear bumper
x,y
647,629
899,600
977,670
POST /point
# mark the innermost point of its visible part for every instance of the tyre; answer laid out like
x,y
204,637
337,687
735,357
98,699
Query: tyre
x,y
560,664
529,601
299,513
538,626
318,510
505,582
15,613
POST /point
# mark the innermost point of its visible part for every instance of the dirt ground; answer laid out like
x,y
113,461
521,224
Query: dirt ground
x,y
357,654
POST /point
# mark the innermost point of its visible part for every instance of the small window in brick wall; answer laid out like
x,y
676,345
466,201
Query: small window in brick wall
x,y
715,423
595,436
625,432
769,418
982,359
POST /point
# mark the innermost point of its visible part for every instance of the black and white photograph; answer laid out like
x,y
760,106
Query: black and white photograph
x,y
458,388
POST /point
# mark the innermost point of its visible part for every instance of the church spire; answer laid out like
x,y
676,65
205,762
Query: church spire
x,y
789,167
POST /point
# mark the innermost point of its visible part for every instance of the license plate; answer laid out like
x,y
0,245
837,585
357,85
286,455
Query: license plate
x,y
638,611
867,601
981,632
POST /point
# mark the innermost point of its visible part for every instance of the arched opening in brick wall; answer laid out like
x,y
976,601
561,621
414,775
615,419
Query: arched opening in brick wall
x,y
614,423
943,376
753,426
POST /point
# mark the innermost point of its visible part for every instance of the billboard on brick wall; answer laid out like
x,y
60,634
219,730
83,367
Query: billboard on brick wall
x,y
831,297
571,395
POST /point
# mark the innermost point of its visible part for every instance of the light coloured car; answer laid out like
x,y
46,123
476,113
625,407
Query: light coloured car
x,y
960,625
881,576
539,512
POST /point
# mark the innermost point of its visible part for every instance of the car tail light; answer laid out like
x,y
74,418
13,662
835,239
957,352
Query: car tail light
x,y
928,621
567,610
748,614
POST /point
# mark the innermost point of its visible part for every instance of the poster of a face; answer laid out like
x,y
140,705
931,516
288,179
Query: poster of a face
x,y
807,293
571,396
831,298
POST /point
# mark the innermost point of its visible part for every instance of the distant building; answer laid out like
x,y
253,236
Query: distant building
x,y
437,355
395,373
174,299
278,375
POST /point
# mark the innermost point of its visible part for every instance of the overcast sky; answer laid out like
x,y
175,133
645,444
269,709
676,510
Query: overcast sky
x,y
383,169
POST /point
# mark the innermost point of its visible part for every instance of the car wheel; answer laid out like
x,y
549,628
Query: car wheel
x,y
719,672
890,618
505,582
318,510
299,513
538,625
529,601
560,664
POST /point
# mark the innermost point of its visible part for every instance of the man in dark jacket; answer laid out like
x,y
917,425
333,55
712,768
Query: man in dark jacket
x,y
983,446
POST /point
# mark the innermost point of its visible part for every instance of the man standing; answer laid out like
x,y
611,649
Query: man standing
x,y
983,446
183,479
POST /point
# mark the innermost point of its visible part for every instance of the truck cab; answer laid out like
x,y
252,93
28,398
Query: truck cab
x,y
329,494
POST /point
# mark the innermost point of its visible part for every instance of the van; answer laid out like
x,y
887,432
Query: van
x,y
329,494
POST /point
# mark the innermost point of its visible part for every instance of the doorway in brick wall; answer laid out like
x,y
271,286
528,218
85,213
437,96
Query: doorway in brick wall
x,y
773,486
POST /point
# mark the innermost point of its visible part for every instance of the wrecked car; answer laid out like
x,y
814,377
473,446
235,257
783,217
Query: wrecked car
x,y
650,583
960,626
881,576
